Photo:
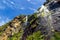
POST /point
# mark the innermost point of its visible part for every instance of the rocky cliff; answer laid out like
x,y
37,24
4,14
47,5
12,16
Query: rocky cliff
x,y
24,28
31,27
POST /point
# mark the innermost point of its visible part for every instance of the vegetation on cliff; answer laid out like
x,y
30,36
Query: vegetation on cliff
x,y
29,32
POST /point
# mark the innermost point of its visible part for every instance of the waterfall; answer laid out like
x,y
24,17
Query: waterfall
x,y
26,18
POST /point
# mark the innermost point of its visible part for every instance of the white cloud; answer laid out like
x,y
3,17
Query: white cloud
x,y
33,3
6,2
22,8
9,3
28,0
32,9
12,3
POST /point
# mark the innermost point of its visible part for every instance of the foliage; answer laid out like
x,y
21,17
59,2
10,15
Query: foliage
x,y
35,36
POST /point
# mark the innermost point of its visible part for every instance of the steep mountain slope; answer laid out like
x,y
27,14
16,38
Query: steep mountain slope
x,y
37,26
21,28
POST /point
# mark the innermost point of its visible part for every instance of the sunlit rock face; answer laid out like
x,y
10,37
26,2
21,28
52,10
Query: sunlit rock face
x,y
13,27
56,22
29,25
55,9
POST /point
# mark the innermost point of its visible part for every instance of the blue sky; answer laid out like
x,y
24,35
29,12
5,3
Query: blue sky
x,y
11,8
